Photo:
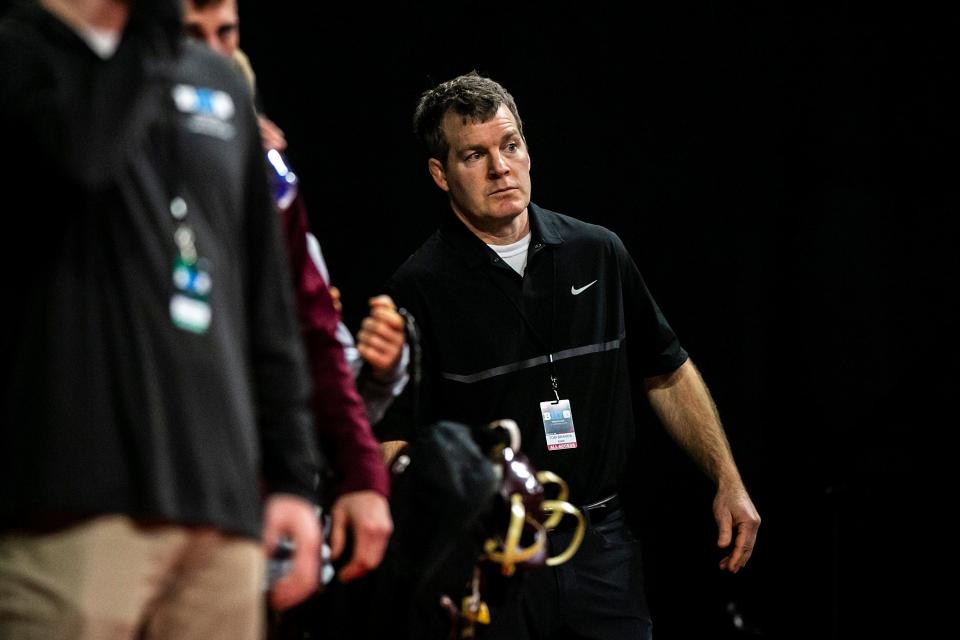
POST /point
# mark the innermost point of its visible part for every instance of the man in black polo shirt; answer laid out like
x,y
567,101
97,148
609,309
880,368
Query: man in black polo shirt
x,y
531,315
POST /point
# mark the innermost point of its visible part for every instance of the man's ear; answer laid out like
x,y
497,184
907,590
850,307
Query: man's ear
x,y
438,174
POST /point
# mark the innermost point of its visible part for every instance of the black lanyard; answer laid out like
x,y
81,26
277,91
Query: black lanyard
x,y
546,345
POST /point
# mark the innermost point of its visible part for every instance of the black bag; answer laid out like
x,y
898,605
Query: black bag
x,y
461,496
441,498
442,493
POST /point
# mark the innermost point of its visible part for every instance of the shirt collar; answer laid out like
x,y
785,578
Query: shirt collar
x,y
474,251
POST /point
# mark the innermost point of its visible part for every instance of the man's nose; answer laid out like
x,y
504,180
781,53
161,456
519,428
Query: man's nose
x,y
498,164
216,44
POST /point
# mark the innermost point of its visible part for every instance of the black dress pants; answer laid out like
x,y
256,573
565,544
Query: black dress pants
x,y
597,595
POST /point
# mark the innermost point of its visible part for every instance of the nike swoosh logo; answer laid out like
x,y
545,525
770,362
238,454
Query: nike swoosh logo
x,y
577,292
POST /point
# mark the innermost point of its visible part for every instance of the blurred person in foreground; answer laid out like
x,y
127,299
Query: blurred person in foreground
x,y
157,436
361,486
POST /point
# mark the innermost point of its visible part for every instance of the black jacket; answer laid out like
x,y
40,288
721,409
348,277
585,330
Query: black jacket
x,y
107,406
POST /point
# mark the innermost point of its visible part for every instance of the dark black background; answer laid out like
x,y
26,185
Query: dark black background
x,y
783,176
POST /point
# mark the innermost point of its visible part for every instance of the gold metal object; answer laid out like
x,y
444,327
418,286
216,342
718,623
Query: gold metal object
x,y
561,508
511,553
549,477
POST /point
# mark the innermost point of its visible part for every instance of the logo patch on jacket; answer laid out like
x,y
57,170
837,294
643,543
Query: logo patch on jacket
x,y
209,110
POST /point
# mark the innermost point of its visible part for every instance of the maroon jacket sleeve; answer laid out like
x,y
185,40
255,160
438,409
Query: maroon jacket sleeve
x,y
341,421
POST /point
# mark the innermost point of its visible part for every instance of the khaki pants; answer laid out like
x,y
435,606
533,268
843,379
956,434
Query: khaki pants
x,y
110,577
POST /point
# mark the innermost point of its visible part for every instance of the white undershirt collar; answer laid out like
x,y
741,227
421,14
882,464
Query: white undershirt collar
x,y
514,254
103,42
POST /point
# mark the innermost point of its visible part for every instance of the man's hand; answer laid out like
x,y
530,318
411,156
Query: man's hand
x,y
368,515
733,509
295,518
335,294
380,340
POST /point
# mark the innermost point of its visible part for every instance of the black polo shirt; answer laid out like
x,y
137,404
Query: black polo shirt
x,y
488,336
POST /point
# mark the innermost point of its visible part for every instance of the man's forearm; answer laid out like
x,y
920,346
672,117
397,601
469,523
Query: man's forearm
x,y
683,403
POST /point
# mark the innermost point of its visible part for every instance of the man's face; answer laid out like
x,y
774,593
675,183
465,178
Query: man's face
x,y
487,175
215,25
